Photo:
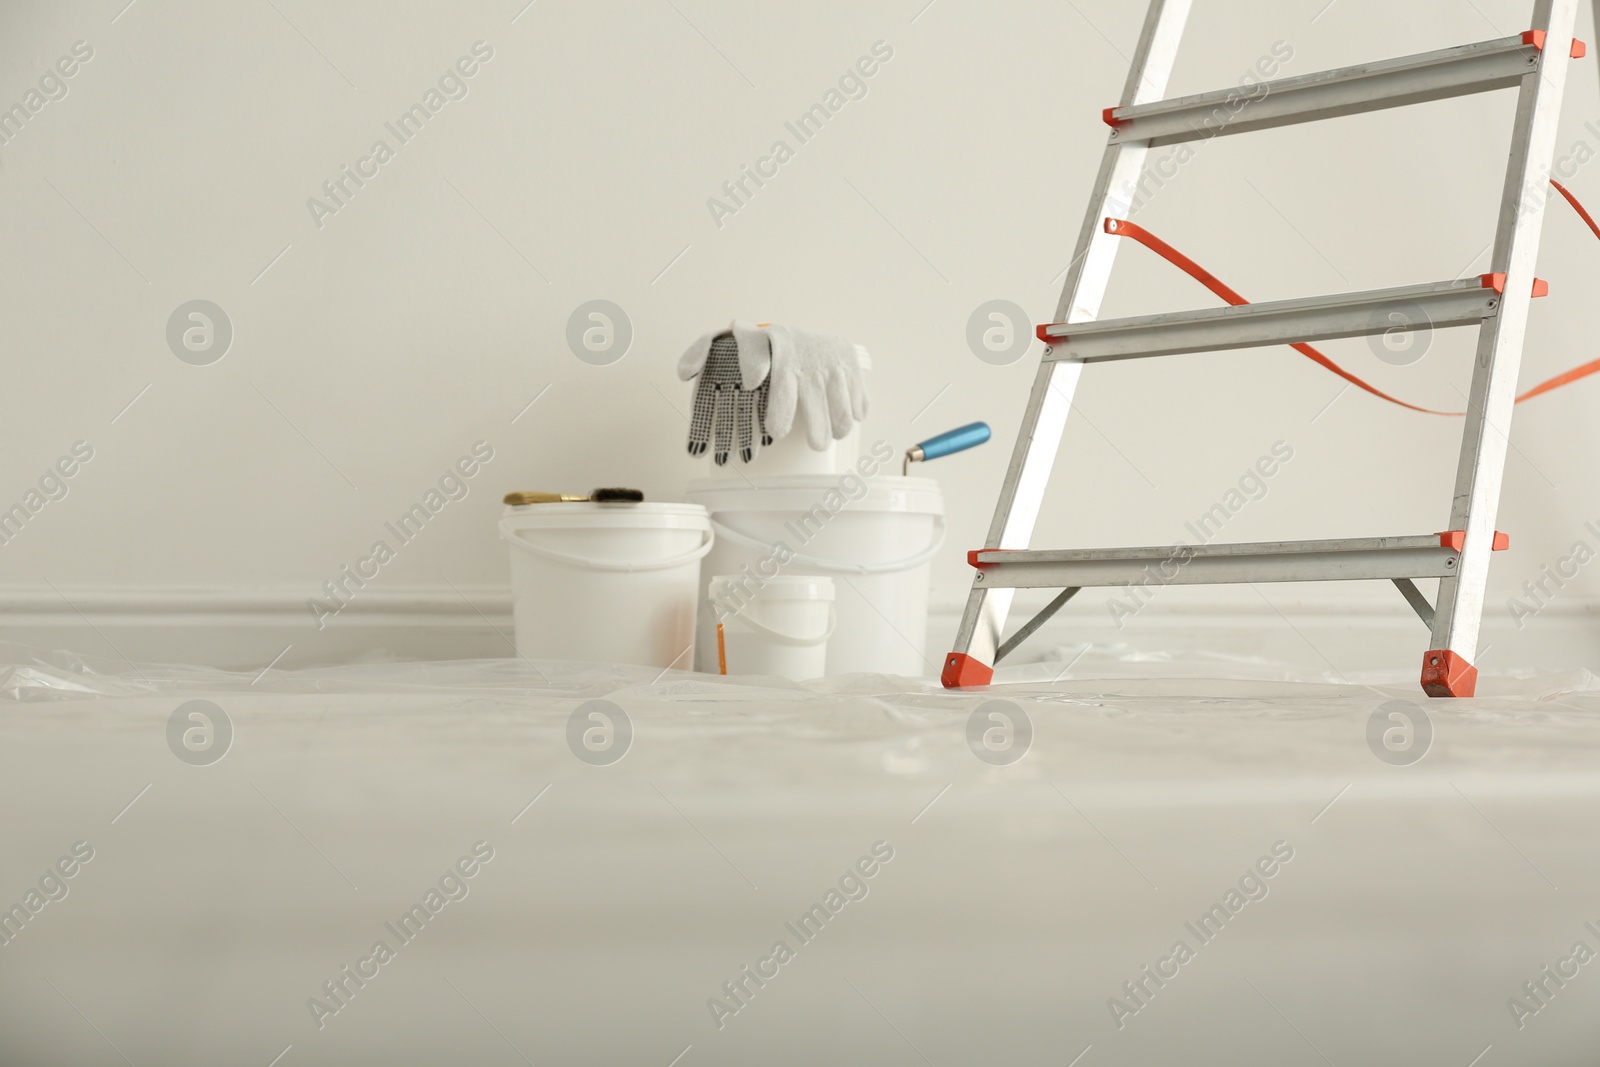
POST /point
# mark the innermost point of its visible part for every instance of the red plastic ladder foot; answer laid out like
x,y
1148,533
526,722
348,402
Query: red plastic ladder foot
x,y
1445,674
961,671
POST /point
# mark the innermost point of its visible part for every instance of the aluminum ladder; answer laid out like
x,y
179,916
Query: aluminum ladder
x,y
1536,64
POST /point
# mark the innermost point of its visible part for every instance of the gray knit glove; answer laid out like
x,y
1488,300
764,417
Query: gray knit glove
x,y
730,400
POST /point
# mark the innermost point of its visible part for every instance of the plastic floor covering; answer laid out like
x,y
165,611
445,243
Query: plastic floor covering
x,y
498,862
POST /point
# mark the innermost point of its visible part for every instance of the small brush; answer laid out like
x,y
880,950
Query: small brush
x,y
599,496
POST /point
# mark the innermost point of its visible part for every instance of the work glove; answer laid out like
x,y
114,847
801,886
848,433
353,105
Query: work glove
x,y
821,377
730,401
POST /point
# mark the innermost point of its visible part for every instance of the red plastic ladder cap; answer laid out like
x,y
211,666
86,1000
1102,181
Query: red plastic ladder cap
x,y
961,671
1445,674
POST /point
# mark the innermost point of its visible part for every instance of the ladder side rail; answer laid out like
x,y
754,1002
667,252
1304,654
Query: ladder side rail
x,y
1448,667
1087,279
1045,418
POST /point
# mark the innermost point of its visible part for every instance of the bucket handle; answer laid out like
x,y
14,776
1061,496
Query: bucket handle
x,y
786,639
837,567
690,556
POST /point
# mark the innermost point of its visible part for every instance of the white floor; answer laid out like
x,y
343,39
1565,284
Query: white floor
x,y
1409,899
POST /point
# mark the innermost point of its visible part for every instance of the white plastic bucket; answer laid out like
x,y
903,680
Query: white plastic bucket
x,y
792,454
611,583
878,548
780,629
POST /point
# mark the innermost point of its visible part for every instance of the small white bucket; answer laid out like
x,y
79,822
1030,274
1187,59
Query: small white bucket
x,y
780,629
608,583
878,548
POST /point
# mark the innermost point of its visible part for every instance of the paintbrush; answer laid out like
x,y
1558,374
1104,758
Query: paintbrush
x,y
599,496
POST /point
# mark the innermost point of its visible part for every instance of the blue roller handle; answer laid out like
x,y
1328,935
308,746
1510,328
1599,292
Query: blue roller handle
x,y
953,441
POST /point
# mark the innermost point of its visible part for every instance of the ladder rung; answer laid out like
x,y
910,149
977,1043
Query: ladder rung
x,y
1466,302
1349,559
1450,72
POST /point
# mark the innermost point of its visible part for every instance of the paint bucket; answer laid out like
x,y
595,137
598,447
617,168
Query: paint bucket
x,y
874,535
780,629
608,583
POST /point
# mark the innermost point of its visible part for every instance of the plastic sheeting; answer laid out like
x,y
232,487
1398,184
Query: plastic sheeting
x,y
1120,861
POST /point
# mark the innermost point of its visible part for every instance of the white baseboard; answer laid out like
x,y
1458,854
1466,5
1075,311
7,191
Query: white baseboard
x,y
247,630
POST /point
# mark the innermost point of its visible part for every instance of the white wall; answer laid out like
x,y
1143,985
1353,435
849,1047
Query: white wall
x,y
373,351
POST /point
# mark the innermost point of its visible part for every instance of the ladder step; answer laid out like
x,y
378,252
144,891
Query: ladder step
x,y
1348,559
1450,72
1466,302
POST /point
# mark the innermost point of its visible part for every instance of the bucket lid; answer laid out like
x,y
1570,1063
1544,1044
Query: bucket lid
x,y
606,516
801,492
782,587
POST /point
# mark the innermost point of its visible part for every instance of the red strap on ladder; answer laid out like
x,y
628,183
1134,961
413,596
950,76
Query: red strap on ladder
x,y
1124,228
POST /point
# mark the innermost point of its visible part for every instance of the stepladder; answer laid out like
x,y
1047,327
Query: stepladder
x,y
1534,65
